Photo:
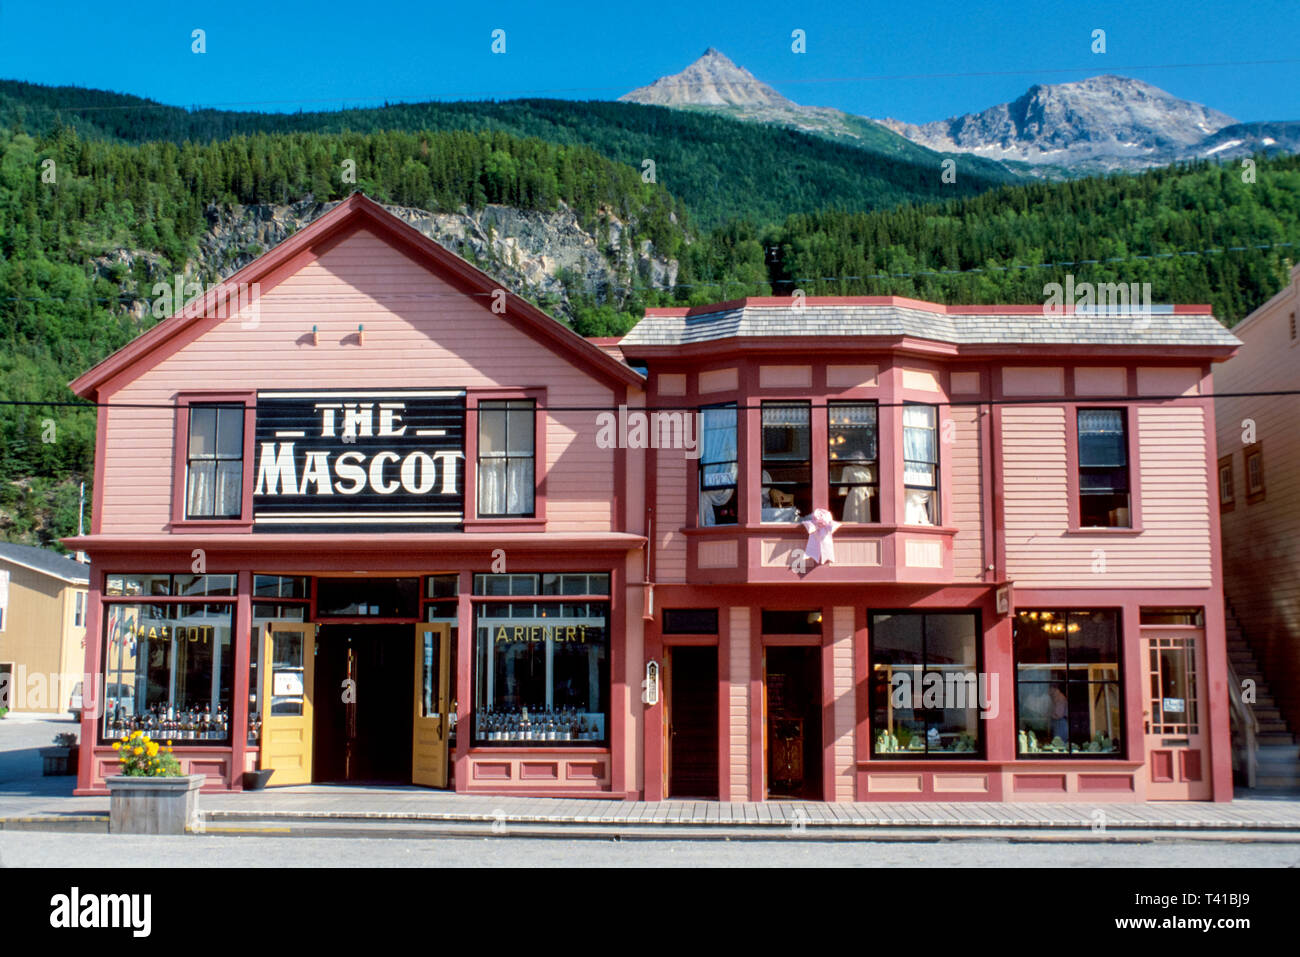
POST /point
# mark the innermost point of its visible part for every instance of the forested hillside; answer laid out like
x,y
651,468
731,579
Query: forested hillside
x,y
79,254
720,168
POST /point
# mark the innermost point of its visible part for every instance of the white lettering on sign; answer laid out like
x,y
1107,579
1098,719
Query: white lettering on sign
x,y
417,473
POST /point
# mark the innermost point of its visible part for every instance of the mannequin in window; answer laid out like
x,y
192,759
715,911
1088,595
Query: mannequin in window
x,y
919,507
857,503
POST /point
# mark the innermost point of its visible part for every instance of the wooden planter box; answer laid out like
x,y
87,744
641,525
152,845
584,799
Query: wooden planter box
x,y
56,760
153,805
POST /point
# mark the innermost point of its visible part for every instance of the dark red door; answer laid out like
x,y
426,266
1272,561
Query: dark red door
x,y
693,723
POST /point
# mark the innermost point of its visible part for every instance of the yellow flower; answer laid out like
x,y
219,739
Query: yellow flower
x,y
117,745
138,751
153,749
169,742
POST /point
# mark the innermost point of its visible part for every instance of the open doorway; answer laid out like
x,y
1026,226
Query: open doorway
x,y
363,703
792,684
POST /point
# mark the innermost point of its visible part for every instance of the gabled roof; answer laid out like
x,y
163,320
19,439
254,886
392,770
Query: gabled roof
x,y
355,212
1154,327
46,562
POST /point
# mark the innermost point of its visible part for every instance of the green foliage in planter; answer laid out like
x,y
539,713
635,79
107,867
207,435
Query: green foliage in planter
x,y
142,757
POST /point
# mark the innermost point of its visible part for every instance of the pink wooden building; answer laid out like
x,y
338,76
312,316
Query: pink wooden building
x,y
395,524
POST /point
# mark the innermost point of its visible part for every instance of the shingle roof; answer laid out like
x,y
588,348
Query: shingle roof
x,y
984,325
44,560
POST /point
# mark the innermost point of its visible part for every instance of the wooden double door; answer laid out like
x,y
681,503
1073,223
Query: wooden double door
x,y
344,702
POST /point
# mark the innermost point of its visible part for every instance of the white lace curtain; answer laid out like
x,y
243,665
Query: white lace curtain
x,y
505,486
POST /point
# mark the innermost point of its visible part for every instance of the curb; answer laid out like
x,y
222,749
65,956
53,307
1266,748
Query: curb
x,y
73,823
400,829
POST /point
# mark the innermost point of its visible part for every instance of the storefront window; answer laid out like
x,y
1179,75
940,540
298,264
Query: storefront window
x,y
168,671
541,673
1068,696
926,691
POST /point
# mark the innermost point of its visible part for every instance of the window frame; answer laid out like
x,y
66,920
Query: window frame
x,y
1254,451
537,520
873,498
1228,502
806,406
1121,753
936,492
701,463
230,603
981,738
1131,423
1126,465
181,457
477,600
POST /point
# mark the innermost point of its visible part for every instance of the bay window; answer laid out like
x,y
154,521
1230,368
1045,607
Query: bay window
x,y
786,461
852,454
718,465
920,465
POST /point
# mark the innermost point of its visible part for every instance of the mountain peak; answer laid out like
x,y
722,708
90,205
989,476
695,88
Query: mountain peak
x,y
712,80
1105,121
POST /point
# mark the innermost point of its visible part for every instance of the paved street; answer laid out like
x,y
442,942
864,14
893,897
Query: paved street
x,y
29,849
414,827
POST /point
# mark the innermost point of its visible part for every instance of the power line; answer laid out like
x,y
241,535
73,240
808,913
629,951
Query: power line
x,y
1017,400
719,284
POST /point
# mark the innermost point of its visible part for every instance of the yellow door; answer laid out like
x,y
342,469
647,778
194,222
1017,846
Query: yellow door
x,y
432,711
288,657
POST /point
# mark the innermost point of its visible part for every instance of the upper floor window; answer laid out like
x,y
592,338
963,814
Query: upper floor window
x,y
506,468
1103,469
920,465
852,456
718,465
786,462
1226,488
1254,474
214,482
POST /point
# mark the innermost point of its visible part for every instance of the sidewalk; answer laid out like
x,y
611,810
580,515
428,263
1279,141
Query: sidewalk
x,y
417,812
29,801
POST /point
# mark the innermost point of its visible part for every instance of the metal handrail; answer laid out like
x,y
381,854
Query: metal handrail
x,y
1248,723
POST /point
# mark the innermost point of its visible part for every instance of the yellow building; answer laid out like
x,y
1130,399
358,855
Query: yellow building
x,y
42,628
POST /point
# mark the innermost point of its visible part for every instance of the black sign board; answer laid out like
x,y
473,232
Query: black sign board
x,y
359,460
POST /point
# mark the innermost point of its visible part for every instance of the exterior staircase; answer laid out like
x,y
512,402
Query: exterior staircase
x,y
1277,756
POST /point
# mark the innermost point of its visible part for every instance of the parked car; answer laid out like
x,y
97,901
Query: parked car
x,y
74,702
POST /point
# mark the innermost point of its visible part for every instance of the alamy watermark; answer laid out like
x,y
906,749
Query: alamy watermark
x,y
230,300
638,429
944,689
1102,297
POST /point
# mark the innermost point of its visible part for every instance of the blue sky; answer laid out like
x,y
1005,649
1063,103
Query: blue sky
x,y
873,58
